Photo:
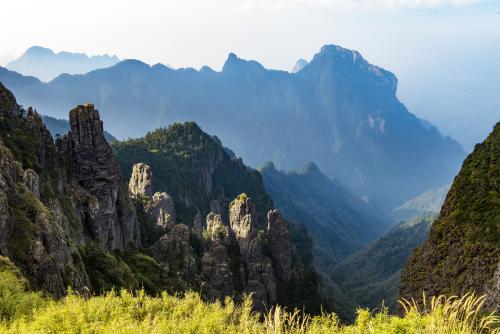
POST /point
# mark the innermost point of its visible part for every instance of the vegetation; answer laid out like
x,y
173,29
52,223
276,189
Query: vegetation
x,y
463,249
193,167
24,312
371,276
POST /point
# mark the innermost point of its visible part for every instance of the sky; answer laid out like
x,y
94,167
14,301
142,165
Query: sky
x,y
445,53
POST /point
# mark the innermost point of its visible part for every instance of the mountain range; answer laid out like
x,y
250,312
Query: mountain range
x,y
46,65
337,111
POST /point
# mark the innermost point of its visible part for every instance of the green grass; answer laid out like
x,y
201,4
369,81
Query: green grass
x,y
25,312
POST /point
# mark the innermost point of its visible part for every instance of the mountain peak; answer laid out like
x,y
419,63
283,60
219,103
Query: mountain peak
x,y
299,65
234,63
38,51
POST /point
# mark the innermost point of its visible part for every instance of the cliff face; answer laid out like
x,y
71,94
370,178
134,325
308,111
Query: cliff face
x,y
462,252
56,199
105,208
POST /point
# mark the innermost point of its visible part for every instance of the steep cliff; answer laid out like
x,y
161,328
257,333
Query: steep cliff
x,y
58,200
462,252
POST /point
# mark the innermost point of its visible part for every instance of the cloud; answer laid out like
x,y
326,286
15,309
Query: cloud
x,y
272,5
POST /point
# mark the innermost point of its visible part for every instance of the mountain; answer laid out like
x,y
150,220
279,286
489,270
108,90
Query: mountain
x,y
202,178
69,220
59,200
46,65
339,112
301,63
339,223
371,276
62,126
462,253
429,201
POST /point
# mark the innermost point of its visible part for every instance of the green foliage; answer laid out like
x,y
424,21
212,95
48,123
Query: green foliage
x,y
371,276
181,156
115,270
15,301
463,248
137,313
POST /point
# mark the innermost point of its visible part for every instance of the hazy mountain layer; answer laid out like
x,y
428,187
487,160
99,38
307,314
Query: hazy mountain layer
x,y
429,201
44,64
338,111
339,223
371,276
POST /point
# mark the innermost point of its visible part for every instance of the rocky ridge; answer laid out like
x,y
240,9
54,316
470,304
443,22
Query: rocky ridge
x,y
59,198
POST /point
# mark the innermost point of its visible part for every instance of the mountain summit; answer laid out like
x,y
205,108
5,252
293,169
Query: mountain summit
x,y
44,64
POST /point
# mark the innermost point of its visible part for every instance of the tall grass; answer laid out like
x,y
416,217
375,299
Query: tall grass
x,y
125,312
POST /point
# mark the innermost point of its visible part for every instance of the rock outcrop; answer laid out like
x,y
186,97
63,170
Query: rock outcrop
x,y
462,252
280,245
31,233
107,211
141,181
175,251
261,282
162,210
32,182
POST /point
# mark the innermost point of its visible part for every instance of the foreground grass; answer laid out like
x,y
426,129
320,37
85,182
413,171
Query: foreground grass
x,y
125,312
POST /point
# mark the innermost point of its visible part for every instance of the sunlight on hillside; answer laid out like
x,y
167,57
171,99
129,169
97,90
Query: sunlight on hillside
x,y
125,312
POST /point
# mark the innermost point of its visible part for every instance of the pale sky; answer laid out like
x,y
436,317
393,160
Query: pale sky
x,y
446,53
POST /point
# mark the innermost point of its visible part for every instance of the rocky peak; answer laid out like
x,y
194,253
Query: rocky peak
x,y
301,63
111,221
141,181
162,210
242,217
216,229
280,245
261,282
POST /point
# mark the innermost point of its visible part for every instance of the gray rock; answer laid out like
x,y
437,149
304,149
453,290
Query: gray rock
x,y
280,245
175,251
32,182
161,208
197,225
106,208
216,273
261,282
141,181
493,292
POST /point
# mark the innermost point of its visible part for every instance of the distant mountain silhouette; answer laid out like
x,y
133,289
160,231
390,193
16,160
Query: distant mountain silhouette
x,y
44,64
339,111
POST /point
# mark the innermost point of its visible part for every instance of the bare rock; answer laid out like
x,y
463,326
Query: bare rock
x,y
105,208
197,225
280,245
261,282
174,250
216,229
141,181
216,273
161,208
32,182
493,292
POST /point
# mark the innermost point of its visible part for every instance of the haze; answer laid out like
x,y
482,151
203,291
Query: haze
x,y
446,53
